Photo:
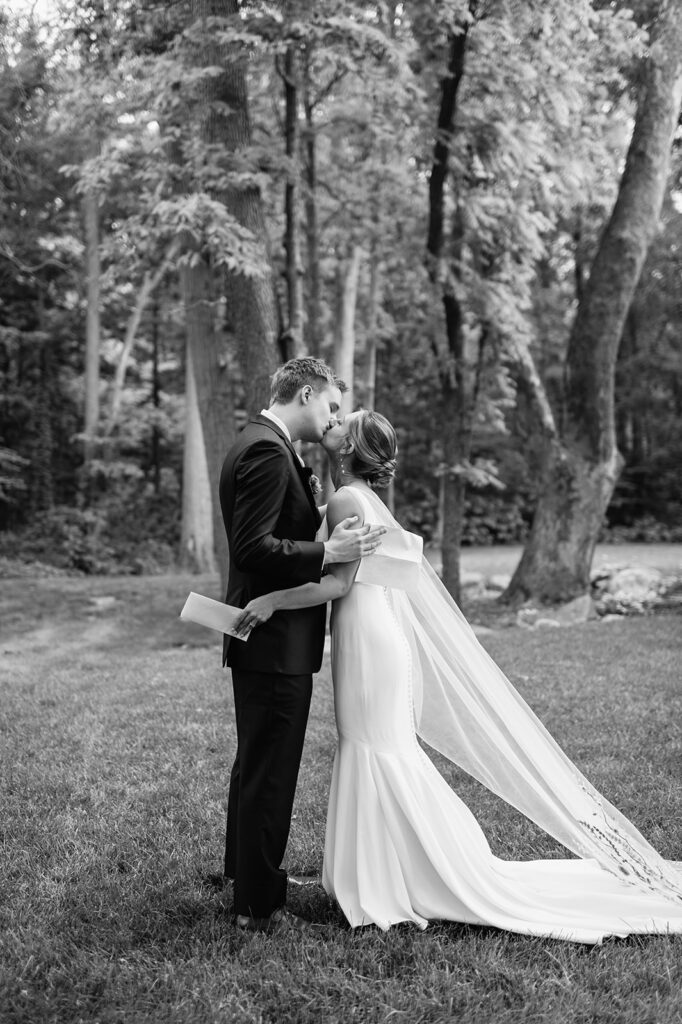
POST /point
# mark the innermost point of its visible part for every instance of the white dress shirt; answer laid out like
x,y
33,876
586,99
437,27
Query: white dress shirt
x,y
282,426
275,419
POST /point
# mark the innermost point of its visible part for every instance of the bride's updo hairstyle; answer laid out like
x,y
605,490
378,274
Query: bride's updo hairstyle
x,y
375,447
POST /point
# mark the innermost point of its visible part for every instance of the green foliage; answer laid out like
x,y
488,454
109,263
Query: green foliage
x,y
130,529
493,519
39,265
489,518
213,229
69,537
649,390
112,103
645,529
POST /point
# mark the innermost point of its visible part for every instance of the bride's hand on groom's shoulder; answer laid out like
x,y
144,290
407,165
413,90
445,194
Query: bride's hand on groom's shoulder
x,y
348,543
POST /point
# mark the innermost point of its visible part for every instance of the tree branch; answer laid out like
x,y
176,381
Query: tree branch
x,y
326,89
528,377
149,284
7,254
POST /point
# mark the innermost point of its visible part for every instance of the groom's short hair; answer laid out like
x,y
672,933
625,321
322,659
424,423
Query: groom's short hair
x,y
297,373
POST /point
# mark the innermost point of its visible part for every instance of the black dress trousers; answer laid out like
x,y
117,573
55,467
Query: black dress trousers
x,y
271,712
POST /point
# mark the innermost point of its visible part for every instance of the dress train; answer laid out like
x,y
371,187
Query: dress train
x,y
402,846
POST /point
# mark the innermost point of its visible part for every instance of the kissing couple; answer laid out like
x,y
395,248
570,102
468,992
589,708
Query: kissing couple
x,y
400,844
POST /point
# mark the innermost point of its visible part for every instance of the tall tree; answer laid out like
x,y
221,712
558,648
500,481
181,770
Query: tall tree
x,y
249,301
581,459
92,321
197,542
292,339
92,30
458,366
309,145
41,245
344,355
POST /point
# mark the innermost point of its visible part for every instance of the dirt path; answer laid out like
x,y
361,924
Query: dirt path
x,y
61,614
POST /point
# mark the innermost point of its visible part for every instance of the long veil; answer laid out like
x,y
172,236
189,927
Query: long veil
x,y
466,708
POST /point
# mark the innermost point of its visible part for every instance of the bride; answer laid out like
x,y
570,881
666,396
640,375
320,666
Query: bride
x,y
400,844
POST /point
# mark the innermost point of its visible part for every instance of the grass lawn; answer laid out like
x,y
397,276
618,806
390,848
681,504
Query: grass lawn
x,y
116,738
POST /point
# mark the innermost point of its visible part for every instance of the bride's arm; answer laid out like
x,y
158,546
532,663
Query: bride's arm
x,y
335,584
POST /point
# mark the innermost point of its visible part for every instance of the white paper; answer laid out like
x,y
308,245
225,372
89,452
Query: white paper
x,y
214,614
396,563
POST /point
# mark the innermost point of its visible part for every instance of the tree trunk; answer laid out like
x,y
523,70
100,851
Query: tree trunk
x,y
313,267
628,427
251,306
345,351
453,492
294,274
156,401
150,283
43,474
196,542
372,325
92,324
457,388
555,565
207,361
250,302
581,469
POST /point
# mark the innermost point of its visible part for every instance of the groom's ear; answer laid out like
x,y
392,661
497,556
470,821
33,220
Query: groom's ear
x,y
306,392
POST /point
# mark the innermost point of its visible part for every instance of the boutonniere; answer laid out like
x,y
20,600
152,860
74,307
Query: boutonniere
x,y
312,480
315,485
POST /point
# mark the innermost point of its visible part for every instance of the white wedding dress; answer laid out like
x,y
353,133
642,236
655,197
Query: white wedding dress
x,y
400,844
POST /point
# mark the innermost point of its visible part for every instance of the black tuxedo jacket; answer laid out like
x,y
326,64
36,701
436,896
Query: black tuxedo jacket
x,y
271,520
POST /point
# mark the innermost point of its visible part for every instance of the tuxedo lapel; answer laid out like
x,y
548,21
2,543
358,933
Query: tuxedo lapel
x,y
304,472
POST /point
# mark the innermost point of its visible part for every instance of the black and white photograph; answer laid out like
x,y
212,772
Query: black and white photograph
x,y
341,512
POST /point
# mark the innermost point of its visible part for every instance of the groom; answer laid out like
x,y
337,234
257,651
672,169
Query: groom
x,y
271,520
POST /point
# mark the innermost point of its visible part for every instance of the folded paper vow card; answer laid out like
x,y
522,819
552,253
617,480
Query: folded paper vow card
x,y
213,614
396,563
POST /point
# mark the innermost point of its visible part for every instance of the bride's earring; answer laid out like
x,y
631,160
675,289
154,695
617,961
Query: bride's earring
x,y
342,455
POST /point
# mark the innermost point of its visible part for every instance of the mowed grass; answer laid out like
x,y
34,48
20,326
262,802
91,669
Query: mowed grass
x,y
116,738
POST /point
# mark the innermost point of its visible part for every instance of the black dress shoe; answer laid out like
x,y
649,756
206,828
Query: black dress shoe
x,y
279,922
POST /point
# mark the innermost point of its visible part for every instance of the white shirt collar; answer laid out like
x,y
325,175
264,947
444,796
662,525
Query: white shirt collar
x,y
283,427
275,419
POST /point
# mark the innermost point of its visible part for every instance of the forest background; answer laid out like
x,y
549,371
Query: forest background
x,y
420,193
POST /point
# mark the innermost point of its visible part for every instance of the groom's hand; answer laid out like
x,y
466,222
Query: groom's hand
x,y
255,614
348,543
